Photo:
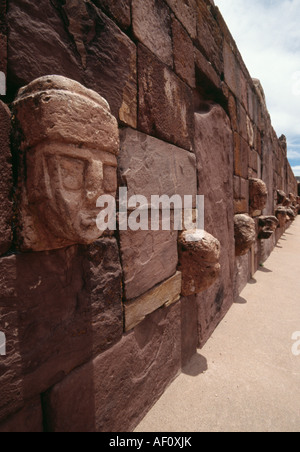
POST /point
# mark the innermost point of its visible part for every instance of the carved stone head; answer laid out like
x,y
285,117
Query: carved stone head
x,y
258,194
66,142
199,256
281,215
244,233
267,226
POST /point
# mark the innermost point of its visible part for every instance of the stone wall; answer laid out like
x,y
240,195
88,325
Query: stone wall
x,y
95,333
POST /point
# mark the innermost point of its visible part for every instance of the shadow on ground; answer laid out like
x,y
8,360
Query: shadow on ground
x,y
197,366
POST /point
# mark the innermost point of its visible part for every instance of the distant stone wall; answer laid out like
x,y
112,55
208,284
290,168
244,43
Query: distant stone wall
x,y
95,333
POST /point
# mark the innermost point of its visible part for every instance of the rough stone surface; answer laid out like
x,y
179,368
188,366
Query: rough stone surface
x,y
267,226
84,45
5,180
244,233
151,22
214,149
28,420
120,10
165,102
148,166
241,156
65,141
148,258
186,13
209,38
164,294
58,310
183,54
258,194
198,261
189,329
113,392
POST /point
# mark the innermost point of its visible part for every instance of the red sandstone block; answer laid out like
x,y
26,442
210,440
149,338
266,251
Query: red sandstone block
x,y
183,54
151,21
119,10
186,14
209,36
113,392
5,180
28,420
58,309
165,102
241,156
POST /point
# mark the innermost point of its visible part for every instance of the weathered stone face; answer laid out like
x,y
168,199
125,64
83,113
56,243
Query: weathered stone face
x,y
281,215
267,226
282,198
67,141
199,257
258,194
5,180
245,234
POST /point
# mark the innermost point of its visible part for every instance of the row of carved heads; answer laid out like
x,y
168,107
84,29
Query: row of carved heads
x,y
66,143
288,207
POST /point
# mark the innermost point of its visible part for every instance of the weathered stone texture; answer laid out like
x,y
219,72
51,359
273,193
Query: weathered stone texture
x,y
148,258
28,420
65,141
164,294
151,22
84,45
183,54
199,255
119,10
214,149
244,234
113,392
148,166
165,102
209,38
5,180
58,310
186,13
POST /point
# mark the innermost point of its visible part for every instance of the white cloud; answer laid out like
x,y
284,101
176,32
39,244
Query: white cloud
x,y
267,33
296,170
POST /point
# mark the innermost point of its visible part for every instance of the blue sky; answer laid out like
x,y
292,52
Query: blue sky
x,y
267,33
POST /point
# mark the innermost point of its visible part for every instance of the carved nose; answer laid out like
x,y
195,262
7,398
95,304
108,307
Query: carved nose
x,y
94,180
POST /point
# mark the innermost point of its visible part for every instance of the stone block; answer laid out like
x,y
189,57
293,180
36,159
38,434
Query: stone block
x,y
85,43
58,310
214,149
209,37
151,23
28,420
148,258
148,166
114,391
241,206
186,14
183,54
233,112
241,156
165,102
6,182
237,187
118,10
189,333
164,294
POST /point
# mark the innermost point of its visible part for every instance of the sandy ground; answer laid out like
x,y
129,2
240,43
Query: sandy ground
x,y
247,377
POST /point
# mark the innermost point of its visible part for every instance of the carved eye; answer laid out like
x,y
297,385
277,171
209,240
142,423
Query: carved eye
x,y
72,173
